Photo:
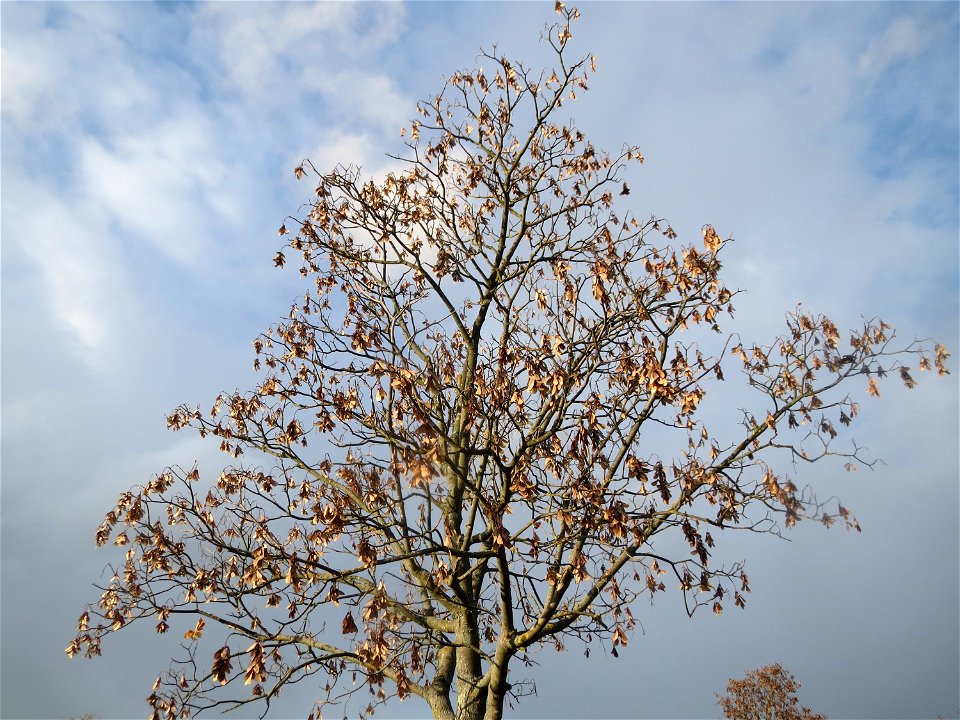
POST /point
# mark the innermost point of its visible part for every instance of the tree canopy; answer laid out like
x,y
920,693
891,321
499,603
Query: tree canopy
x,y
768,693
477,431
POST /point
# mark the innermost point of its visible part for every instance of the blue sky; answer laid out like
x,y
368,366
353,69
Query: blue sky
x,y
147,156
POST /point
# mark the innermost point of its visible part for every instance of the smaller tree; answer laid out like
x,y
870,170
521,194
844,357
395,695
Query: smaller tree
x,y
765,694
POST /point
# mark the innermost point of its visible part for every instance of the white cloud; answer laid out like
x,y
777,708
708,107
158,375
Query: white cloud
x,y
253,42
72,249
346,148
156,183
23,81
144,156
902,39
372,98
61,74
259,46
162,187
342,147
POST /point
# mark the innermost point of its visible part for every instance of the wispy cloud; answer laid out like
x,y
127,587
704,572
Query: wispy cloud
x,y
372,99
269,42
164,184
343,147
22,80
71,248
902,40
136,151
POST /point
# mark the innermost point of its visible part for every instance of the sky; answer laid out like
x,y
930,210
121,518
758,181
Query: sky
x,y
147,157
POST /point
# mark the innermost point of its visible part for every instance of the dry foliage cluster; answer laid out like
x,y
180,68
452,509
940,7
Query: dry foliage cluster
x,y
768,693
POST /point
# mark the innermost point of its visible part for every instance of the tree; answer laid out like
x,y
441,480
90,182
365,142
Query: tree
x,y
765,694
453,432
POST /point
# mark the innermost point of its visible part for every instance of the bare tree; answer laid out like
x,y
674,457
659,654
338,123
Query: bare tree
x,y
477,427
768,693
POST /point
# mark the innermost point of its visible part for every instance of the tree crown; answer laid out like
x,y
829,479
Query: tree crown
x,y
768,693
455,426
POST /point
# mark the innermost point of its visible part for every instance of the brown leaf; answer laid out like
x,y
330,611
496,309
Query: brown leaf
x,y
907,380
197,630
256,670
710,238
222,665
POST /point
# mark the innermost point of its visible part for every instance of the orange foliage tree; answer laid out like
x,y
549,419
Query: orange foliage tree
x,y
451,453
768,693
